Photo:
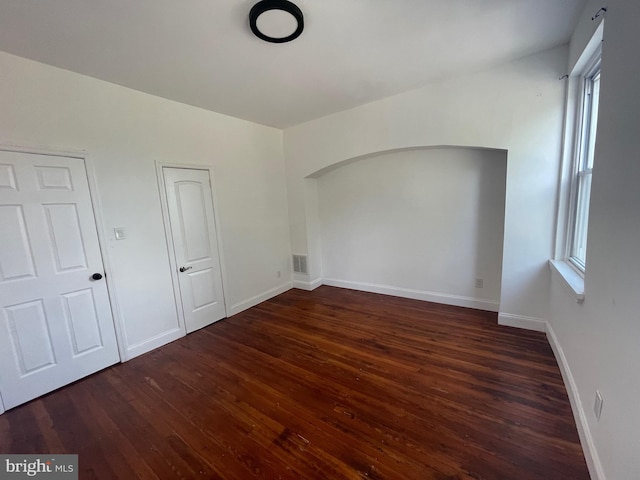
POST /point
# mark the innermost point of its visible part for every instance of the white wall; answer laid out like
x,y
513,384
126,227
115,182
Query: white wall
x,y
421,223
516,107
125,132
600,338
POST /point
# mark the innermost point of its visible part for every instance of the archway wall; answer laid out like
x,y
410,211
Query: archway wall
x,y
517,107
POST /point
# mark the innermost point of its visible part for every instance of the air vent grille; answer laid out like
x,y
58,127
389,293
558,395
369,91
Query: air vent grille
x,y
300,264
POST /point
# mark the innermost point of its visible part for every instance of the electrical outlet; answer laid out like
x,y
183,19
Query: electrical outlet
x,y
597,405
278,274
479,282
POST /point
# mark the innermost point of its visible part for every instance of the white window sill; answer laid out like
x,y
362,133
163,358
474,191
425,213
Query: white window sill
x,y
570,277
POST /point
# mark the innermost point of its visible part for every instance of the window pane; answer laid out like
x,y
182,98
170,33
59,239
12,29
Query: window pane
x,y
593,118
579,250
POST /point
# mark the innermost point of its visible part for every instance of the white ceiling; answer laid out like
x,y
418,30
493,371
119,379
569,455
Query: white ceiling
x,y
201,52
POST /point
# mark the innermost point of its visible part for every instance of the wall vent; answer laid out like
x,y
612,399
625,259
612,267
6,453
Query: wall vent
x,y
300,264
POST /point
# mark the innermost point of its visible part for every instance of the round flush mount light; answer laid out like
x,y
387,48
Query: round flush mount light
x,y
276,21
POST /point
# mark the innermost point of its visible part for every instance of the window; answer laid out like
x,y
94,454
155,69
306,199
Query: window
x,y
581,122
583,164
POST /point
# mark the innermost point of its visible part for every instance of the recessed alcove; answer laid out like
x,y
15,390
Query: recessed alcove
x,y
423,223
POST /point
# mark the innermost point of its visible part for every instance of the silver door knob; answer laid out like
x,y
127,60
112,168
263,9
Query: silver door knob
x,y
184,269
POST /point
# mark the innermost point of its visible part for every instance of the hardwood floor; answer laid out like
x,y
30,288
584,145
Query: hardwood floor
x,y
330,384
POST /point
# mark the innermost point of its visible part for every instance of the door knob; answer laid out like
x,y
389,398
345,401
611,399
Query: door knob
x,y
184,269
96,276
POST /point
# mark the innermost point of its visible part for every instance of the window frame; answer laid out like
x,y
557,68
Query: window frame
x,y
571,276
582,161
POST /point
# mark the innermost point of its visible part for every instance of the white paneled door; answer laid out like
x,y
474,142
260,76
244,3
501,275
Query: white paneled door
x,y
195,245
55,320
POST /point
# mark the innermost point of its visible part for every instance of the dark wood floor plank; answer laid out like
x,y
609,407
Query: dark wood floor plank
x,y
329,384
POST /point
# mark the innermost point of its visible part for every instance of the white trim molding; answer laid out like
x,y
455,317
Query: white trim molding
x,y
308,286
459,301
522,321
586,439
262,297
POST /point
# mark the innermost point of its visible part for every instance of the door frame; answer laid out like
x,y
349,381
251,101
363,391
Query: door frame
x,y
96,208
169,236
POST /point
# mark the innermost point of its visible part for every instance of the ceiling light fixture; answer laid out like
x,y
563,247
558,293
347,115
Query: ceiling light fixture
x,y
276,21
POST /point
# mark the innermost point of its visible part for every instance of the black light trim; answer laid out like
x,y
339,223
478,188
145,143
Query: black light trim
x,y
265,5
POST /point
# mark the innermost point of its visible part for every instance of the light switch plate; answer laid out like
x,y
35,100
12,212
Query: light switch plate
x,y
119,233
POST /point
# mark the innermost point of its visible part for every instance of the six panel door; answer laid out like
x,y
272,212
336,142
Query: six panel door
x,y
55,318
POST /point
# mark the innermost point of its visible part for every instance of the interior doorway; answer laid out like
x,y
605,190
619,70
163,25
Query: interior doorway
x,y
193,242
56,324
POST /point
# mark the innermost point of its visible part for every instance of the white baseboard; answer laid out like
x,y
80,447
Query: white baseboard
x,y
522,321
253,301
309,286
459,301
152,343
588,446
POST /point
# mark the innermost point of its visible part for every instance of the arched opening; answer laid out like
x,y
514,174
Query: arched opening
x,y
424,223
